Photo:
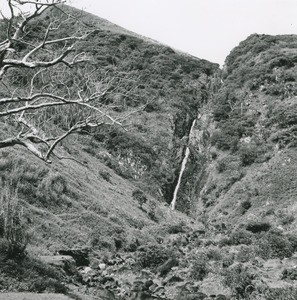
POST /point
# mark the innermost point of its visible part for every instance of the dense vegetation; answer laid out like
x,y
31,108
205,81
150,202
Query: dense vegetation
x,y
238,185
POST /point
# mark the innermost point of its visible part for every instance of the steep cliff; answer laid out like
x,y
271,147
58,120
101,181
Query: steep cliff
x,y
250,173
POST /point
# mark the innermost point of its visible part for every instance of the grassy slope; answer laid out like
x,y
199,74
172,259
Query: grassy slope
x,y
71,204
68,204
88,200
255,141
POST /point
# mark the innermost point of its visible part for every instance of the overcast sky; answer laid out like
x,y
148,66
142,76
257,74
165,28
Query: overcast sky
x,y
204,28
207,29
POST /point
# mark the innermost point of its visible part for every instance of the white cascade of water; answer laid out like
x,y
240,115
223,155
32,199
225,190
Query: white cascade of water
x,y
182,169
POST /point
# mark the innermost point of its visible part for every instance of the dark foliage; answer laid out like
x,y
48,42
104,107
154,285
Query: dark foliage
x,y
199,268
152,255
256,227
139,196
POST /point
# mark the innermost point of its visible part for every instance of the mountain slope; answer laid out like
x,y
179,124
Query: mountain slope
x,y
112,196
254,114
82,202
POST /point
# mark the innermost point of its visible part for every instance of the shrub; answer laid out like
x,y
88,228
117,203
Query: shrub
x,y
246,204
256,227
199,269
245,254
274,244
284,115
292,238
152,213
289,274
240,280
180,227
286,218
224,242
227,260
248,154
222,165
106,235
140,197
152,255
214,253
240,236
225,140
105,175
101,243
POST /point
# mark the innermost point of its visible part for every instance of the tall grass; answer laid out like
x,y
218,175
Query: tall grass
x,y
12,225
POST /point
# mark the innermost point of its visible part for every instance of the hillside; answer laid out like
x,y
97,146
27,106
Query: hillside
x,y
233,233
254,114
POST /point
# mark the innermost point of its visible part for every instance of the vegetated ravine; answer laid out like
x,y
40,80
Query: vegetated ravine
x,y
219,146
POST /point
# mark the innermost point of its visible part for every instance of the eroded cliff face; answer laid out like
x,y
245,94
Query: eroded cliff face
x,y
245,115
243,145
251,154
193,170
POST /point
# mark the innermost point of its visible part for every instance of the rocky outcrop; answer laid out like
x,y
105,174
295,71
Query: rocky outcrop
x,y
81,256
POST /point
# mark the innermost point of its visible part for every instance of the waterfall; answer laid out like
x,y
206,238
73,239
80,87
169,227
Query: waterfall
x,y
182,169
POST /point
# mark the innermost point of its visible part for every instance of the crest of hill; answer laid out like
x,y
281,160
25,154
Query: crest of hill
x,y
95,21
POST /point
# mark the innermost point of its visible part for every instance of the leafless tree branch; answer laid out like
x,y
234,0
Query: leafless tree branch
x,y
29,110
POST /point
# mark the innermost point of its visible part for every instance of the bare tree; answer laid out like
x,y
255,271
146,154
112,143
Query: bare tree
x,y
43,60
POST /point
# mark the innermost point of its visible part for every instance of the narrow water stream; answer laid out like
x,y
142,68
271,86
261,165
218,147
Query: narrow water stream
x,y
182,169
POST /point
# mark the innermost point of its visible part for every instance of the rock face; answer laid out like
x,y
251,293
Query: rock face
x,y
81,256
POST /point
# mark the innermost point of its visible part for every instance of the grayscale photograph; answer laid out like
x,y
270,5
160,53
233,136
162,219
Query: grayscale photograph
x,y
148,149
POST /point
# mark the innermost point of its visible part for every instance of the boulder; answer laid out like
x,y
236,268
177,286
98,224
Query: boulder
x,y
64,262
102,266
81,256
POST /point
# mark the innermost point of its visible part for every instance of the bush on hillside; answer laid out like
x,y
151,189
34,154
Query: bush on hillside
x,y
240,237
152,255
107,235
222,165
248,154
245,253
140,197
180,227
214,253
246,205
256,227
240,280
200,269
285,217
225,140
273,244
284,115
105,175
